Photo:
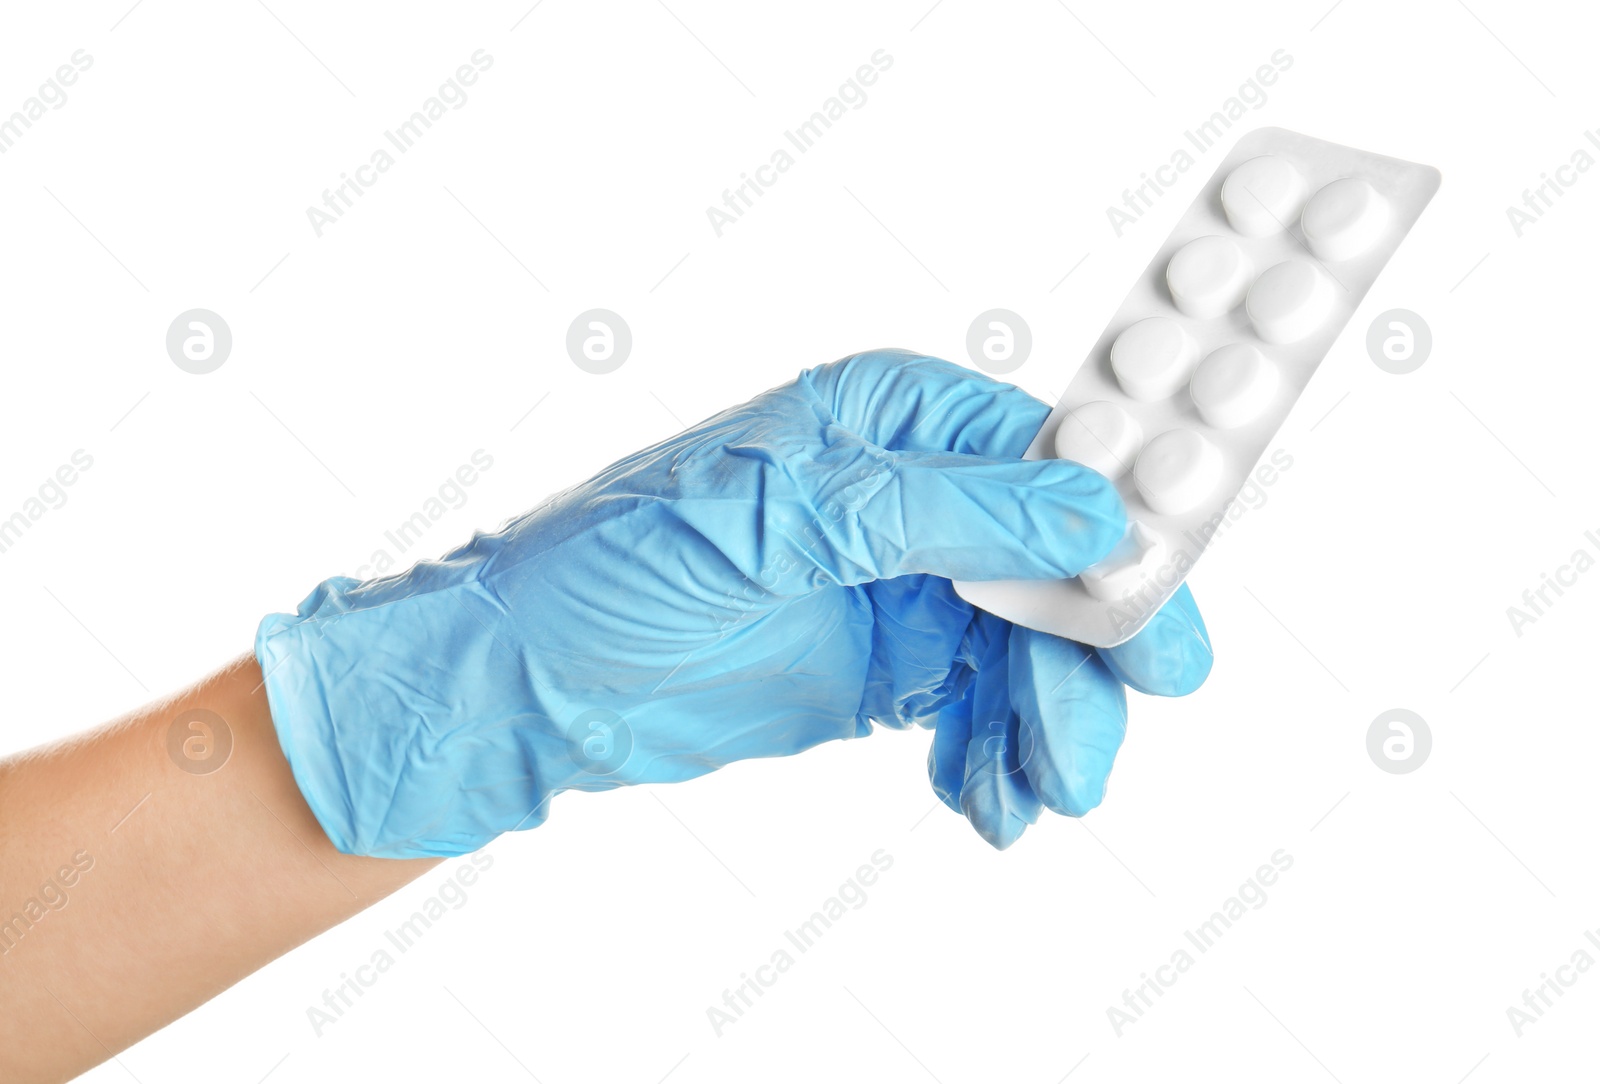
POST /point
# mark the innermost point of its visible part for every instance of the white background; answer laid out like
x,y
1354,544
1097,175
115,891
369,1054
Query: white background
x,y
371,362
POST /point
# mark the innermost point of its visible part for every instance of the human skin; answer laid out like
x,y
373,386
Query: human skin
x,y
156,887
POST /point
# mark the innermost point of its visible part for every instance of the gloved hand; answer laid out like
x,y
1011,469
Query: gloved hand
x,y
775,577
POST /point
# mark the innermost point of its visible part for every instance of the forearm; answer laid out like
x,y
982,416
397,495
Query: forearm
x,y
138,880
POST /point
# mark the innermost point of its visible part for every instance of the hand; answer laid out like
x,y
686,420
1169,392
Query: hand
x,y
775,577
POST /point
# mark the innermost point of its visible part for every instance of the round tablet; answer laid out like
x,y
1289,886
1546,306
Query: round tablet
x,y
1177,471
1208,276
1153,358
1233,386
1345,218
1100,435
1290,301
1136,558
1262,196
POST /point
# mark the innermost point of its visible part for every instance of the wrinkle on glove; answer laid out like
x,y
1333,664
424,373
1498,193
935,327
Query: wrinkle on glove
x,y
775,577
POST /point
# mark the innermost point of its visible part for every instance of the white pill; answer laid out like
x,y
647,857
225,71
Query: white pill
x,y
1290,301
1345,218
1128,567
1233,386
1208,276
1100,435
1177,471
1153,358
1262,196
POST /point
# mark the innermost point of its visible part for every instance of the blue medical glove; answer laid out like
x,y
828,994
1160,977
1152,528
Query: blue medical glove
x,y
775,577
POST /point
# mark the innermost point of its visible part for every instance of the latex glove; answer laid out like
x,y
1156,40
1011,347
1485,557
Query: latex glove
x,y
772,578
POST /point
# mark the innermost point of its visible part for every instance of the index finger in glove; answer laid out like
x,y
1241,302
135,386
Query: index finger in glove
x,y
961,516
904,401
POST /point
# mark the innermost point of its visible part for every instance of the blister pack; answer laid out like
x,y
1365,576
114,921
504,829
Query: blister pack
x,y
1204,360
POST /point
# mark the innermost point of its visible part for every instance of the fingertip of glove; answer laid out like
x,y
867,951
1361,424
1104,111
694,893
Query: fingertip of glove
x,y
1087,795
1171,656
998,819
1001,832
1074,792
1096,518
